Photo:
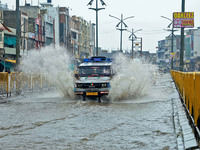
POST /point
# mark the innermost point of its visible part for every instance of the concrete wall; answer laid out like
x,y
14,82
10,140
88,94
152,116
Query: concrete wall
x,y
9,18
32,11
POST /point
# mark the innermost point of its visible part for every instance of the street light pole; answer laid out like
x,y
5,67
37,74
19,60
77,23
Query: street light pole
x,y
172,40
18,32
133,37
96,9
182,42
121,29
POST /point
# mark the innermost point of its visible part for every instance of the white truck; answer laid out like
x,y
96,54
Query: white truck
x,y
93,78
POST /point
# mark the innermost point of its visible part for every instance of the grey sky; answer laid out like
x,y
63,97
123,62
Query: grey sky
x,y
146,17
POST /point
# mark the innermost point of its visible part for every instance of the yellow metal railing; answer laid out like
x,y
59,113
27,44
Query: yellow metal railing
x,y
16,82
188,85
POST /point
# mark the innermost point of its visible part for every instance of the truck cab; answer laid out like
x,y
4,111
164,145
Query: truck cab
x,y
93,78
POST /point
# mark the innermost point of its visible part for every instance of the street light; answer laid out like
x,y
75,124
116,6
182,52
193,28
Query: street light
x,y
121,29
132,38
96,9
172,41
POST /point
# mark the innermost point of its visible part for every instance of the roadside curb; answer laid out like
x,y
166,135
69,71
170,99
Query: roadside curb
x,y
185,136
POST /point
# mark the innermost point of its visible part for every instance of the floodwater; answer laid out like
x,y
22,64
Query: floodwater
x,y
139,115
49,121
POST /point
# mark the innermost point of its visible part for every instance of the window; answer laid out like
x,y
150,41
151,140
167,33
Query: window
x,y
1,37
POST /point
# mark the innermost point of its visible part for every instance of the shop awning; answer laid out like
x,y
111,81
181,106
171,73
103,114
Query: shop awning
x,y
11,61
7,65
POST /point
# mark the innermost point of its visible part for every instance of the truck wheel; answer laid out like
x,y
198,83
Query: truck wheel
x,y
83,98
99,99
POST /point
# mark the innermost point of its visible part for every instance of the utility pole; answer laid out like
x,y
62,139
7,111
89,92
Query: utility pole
x,y
121,29
18,32
132,38
96,9
182,42
172,39
141,46
24,35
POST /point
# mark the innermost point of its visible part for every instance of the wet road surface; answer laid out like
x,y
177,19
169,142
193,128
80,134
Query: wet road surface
x,y
48,121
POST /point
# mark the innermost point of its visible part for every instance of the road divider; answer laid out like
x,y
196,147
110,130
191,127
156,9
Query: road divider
x,y
188,85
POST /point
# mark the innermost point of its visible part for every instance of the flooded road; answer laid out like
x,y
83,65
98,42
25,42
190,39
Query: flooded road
x,y
48,121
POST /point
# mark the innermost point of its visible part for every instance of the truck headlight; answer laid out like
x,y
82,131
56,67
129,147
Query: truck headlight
x,y
79,85
104,85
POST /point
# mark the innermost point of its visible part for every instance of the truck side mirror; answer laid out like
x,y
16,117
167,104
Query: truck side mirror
x,y
76,75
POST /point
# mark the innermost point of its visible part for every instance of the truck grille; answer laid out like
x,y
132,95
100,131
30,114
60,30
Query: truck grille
x,y
93,85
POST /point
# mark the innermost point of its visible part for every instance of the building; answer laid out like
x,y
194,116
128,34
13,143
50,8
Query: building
x,y
48,27
75,35
7,47
64,26
54,13
3,6
197,48
9,20
161,53
92,39
192,49
35,26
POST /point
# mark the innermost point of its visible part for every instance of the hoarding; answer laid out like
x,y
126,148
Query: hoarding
x,y
183,19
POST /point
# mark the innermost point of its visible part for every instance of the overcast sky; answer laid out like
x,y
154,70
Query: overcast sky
x,y
146,17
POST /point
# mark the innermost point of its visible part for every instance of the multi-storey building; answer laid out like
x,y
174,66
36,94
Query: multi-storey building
x,y
35,25
54,13
3,6
10,21
64,26
48,27
197,48
75,35
92,39
7,47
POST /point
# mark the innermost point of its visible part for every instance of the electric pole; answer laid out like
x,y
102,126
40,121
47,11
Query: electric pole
x,y
182,42
121,29
172,40
18,32
96,9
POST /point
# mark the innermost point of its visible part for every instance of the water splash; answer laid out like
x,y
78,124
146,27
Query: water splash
x,y
132,78
52,62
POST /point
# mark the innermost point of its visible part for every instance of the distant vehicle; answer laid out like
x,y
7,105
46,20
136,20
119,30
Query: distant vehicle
x,y
93,78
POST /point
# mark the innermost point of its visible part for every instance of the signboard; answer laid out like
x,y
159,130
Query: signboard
x,y
31,35
137,44
37,21
172,55
183,19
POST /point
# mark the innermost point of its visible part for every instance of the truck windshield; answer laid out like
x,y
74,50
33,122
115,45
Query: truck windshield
x,y
94,71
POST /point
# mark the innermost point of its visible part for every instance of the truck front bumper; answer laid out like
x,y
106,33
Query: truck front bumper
x,y
91,91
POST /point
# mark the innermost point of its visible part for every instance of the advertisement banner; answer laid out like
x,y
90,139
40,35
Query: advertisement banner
x,y
37,21
183,19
